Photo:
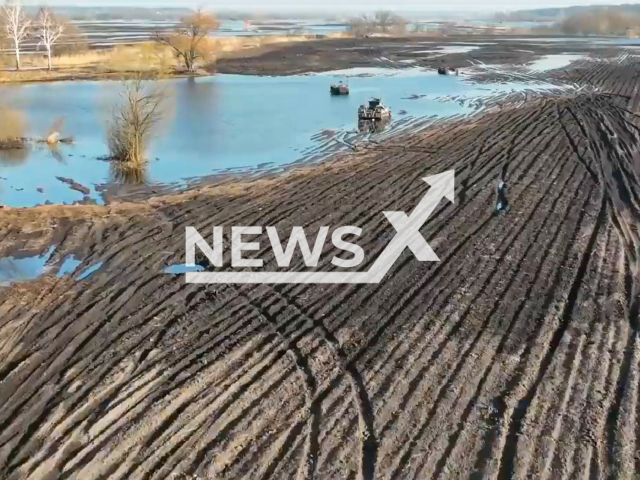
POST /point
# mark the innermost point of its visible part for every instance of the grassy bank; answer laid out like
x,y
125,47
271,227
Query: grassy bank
x,y
131,60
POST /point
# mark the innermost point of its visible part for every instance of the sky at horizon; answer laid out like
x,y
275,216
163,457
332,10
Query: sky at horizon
x,y
337,5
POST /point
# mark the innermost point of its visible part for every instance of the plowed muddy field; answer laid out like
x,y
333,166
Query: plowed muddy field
x,y
516,356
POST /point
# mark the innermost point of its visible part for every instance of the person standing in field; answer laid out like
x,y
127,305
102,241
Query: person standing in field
x,y
502,202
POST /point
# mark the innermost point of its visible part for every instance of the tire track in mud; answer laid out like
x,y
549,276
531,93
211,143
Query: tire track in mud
x,y
308,465
444,390
515,424
623,202
361,398
565,459
506,337
520,410
587,455
452,288
410,203
575,341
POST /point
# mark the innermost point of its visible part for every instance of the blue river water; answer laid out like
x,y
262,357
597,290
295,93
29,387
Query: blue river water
x,y
212,124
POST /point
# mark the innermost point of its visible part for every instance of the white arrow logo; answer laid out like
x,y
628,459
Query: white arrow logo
x,y
408,236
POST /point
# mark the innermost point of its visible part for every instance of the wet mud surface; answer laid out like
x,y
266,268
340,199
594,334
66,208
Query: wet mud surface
x,y
413,51
517,356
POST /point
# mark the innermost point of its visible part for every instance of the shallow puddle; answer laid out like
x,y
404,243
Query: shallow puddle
x,y
18,270
182,269
458,49
14,269
552,62
68,267
591,39
89,271
450,49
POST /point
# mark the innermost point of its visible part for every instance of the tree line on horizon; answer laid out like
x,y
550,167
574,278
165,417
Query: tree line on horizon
x,y
381,22
607,22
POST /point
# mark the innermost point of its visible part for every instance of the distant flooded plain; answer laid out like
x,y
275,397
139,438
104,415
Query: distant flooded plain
x,y
215,124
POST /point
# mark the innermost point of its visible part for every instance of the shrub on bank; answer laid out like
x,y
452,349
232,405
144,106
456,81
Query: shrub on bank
x,y
12,129
133,122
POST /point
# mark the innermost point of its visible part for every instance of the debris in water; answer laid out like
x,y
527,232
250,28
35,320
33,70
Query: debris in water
x,y
54,136
75,185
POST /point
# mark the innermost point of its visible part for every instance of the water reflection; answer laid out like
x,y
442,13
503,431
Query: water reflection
x,y
13,156
54,151
372,126
129,173
14,269
196,117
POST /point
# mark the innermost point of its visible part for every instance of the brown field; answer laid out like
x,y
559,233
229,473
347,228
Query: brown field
x,y
517,356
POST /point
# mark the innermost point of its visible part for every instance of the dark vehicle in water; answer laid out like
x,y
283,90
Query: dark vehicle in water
x,y
374,110
444,70
339,89
372,126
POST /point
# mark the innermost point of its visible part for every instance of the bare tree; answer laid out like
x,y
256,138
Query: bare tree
x,y
134,121
48,30
75,41
399,26
607,22
384,20
16,25
361,26
129,173
189,37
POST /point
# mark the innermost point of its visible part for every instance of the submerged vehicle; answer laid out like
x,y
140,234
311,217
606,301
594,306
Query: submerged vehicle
x,y
340,89
444,70
375,110
372,126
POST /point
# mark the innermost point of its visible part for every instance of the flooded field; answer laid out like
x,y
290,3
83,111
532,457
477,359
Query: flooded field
x,y
215,124
551,62
107,33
